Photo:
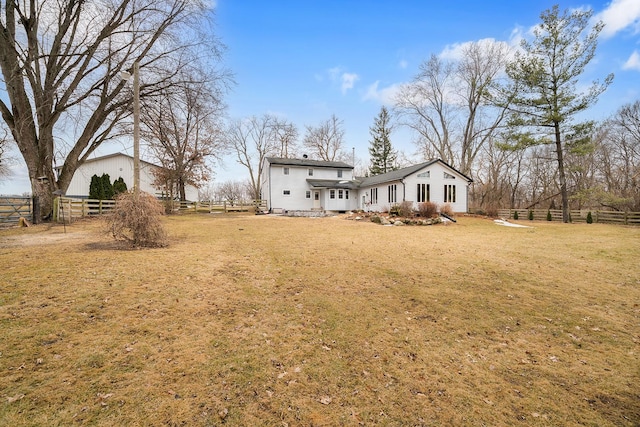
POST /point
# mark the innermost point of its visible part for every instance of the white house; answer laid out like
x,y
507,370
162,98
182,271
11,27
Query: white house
x,y
118,165
303,184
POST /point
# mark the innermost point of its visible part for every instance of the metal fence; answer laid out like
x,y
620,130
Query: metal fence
x,y
14,208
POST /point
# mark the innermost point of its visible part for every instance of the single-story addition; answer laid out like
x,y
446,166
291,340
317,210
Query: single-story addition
x,y
303,184
118,165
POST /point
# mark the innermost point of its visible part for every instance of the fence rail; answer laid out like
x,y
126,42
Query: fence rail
x,y
610,217
72,209
14,208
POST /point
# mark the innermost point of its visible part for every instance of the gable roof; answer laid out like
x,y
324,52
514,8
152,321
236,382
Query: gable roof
x,y
308,163
399,174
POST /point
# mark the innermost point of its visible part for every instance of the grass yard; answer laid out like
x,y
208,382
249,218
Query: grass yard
x,y
272,321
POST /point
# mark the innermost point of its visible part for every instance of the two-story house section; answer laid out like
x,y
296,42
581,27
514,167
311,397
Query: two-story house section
x,y
304,184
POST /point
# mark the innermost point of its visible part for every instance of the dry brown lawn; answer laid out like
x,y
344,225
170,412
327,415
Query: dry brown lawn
x,y
273,321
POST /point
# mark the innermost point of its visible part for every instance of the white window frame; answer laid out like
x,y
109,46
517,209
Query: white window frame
x,y
285,171
310,172
392,193
307,194
339,174
374,196
423,193
449,193
332,194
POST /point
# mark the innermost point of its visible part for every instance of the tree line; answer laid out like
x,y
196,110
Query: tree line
x,y
511,120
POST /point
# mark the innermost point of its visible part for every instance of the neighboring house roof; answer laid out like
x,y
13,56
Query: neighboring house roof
x,y
308,162
109,156
327,183
399,174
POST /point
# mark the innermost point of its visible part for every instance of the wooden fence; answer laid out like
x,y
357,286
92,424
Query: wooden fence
x,y
13,208
73,209
611,217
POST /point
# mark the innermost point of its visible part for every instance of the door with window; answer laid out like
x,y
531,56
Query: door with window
x,y
316,199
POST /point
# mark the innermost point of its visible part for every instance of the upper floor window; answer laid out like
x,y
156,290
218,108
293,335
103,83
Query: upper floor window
x,y
286,192
448,176
286,171
339,174
310,172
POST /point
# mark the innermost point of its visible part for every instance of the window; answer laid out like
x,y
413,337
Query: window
x,y
374,196
393,193
332,194
286,171
449,193
425,174
423,193
346,194
340,194
286,192
339,174
310,172
448,176
307,194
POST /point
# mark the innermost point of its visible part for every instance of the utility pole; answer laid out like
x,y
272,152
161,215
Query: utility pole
x,y
136,128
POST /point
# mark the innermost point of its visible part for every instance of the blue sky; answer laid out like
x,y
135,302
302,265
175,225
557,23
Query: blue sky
x,y
305,60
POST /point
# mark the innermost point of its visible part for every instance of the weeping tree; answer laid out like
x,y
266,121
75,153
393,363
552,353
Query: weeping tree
x,y
62,64
546,97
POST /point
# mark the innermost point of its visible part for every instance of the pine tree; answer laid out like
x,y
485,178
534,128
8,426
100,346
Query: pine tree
x,y
96,190
383,156
107,188
119,186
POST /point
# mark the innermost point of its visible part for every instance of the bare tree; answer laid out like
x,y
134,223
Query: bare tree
x,y
450,104
4,157
182,131
617,159
253,140
326,140
61,67
232,191
286,136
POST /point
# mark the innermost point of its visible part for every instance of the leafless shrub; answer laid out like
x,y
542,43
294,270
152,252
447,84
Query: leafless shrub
x,y
405,209
136,219
446,209
428,209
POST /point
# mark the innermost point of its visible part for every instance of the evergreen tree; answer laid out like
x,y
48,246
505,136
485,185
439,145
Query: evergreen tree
x,y
107,187
96,190
546,96
119,186
383,156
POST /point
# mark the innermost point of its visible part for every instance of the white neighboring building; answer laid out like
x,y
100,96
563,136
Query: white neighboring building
x,y
118,165
302,184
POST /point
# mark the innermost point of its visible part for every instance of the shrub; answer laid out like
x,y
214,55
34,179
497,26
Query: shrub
x,y
405,209
530,215
427,209
376,219
589,218
549,217
446,209
515,215
119,186
136,219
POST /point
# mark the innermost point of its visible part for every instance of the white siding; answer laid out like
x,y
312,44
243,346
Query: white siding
x,y
437,181
117,166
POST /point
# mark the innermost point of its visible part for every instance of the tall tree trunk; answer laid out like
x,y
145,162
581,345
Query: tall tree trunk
x,y
562,177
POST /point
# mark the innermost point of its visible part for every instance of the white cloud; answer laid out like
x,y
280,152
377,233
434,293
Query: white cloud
x,y
619,15
403,64
348,80
385,96
456,51
633,63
